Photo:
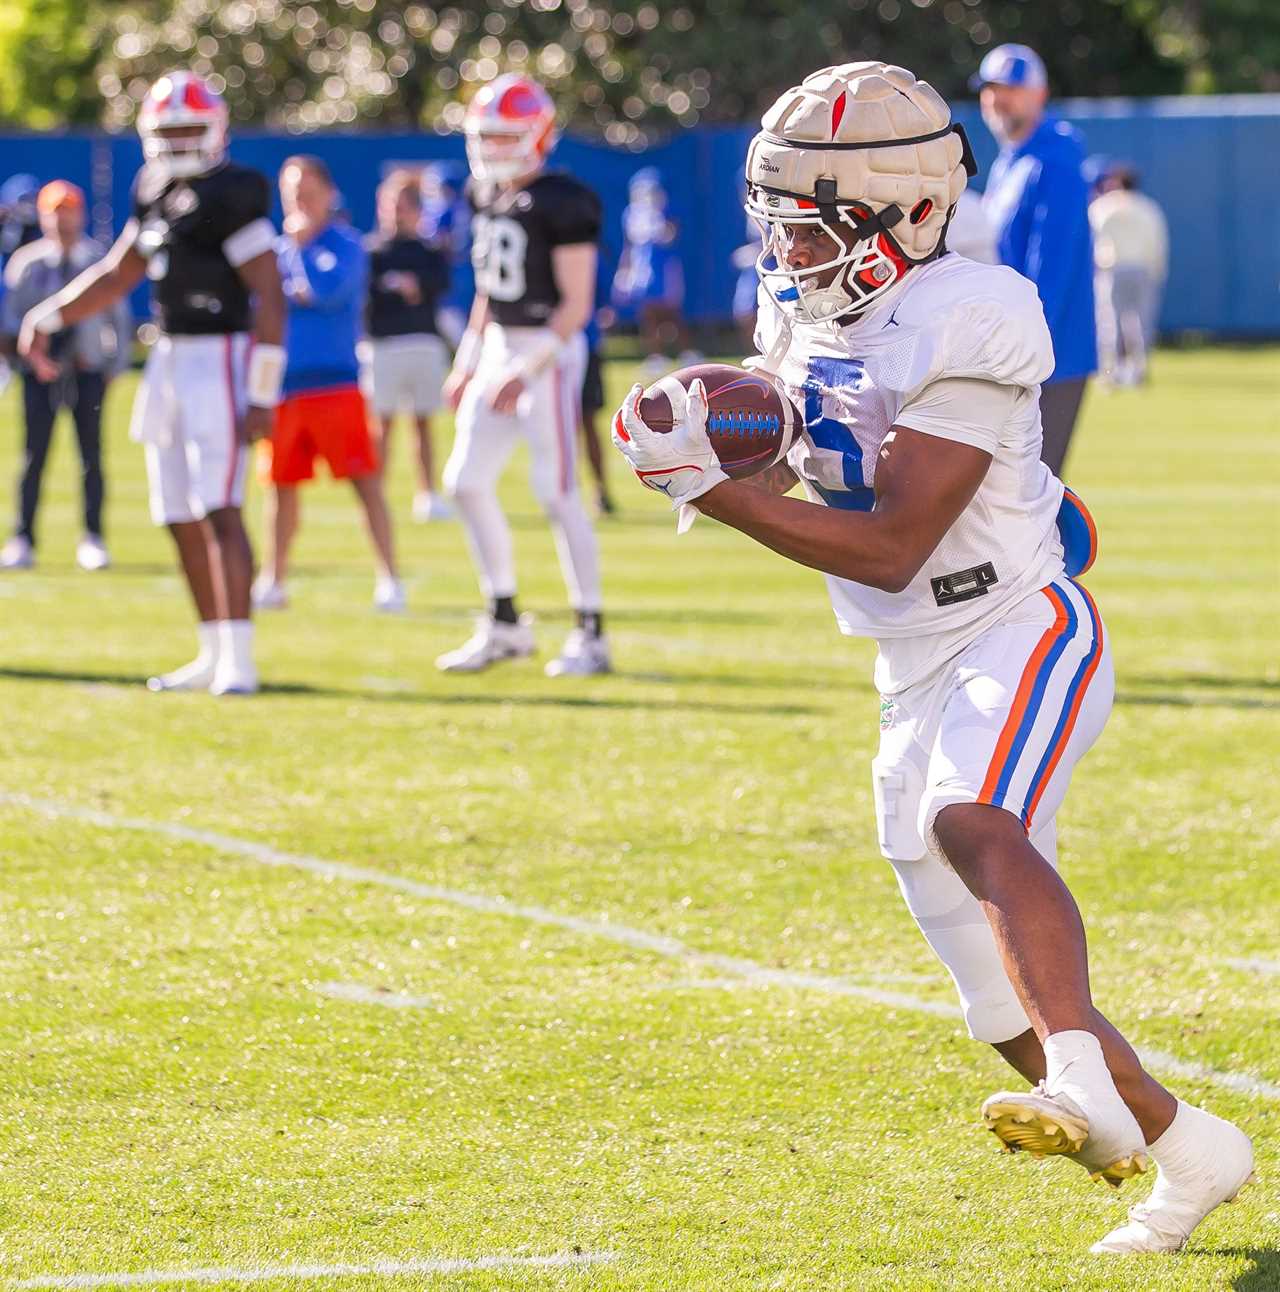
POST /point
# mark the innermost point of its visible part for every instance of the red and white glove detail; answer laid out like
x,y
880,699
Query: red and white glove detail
x,y
680,462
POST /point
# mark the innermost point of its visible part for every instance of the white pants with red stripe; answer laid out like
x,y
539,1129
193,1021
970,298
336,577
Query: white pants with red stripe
x,y
1003,723
547,421
187,414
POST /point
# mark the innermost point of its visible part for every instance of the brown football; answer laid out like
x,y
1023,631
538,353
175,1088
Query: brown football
x,y
749,420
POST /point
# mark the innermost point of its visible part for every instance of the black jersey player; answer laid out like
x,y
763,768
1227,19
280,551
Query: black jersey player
x,y
199,231
519,368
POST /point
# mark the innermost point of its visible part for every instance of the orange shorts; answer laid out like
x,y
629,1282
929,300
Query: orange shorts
x,y
329,423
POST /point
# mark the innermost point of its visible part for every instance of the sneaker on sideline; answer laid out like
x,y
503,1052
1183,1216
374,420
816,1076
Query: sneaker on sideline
x,y
492,642
581,656
17,554
388,596
92,554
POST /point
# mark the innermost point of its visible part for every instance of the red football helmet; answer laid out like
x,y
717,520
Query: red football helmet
x,y
510,129
182,99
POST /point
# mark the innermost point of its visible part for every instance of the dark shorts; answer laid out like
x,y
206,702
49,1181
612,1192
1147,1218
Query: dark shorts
x,y
592,385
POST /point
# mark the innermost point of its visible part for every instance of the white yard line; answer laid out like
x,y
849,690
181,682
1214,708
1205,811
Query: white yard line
x,y
258,1273
1255,966
362,995
1241,1082
656,943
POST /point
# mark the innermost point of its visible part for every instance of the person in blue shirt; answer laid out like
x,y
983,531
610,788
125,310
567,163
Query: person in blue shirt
x,y
648,285
1037,201
324,270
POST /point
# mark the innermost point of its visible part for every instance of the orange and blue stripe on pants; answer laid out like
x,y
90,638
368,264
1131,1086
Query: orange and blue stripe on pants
x,y
1038,729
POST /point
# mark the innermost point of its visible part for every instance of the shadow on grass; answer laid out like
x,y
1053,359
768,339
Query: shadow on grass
x,y
1210,681
560,701
1158,700
739,681
406,696
1263,1275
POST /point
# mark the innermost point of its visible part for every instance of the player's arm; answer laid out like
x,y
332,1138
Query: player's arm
x,y
468,352
91,292
777,479
261,275
15,272
922,485
573,267
931,464
328,277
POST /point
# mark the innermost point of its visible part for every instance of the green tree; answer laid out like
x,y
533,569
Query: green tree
x,y
628,69
1222,46
49,56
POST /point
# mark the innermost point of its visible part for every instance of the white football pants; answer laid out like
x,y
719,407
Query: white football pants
x,y
1003,723
547,418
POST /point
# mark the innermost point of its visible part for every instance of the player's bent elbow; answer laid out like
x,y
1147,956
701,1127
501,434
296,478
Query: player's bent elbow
x,y
894,573
890,582
884,576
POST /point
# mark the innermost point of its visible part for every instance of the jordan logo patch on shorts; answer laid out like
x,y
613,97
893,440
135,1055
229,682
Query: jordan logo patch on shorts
x,y
964,585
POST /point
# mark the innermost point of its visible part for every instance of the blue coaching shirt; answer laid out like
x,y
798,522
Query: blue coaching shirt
x,y
1038,205
324,283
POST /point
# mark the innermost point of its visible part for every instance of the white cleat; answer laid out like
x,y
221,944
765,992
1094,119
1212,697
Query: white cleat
x,y
17,554
581,656
196,676
1178,1203
1109,1147
388,596
228,679
92,554
492,642
267,594
429,507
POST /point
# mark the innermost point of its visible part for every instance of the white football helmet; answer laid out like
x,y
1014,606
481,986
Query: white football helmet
x,y
183,99
510,129
869,154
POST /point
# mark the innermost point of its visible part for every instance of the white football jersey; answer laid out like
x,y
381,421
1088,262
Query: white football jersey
x,y
953,318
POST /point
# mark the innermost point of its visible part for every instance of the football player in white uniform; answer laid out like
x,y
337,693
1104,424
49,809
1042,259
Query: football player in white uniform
x,y
944,537
519,369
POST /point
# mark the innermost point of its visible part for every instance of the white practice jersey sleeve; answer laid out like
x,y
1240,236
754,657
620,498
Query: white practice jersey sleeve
x,y
966,409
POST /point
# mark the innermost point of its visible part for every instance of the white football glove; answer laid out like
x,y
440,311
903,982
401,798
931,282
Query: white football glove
x,y
679,463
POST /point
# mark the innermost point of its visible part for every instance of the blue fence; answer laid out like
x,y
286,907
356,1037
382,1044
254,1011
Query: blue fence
x,y
1210,162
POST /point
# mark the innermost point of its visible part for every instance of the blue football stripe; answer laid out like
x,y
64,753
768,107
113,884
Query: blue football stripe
x,y
863,499
1090,655
1037,698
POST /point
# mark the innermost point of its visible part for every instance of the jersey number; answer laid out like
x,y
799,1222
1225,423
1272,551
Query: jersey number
x,y
827,375
498,256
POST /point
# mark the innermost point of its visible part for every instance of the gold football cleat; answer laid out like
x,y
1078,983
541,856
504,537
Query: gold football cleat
x,y
1032,1123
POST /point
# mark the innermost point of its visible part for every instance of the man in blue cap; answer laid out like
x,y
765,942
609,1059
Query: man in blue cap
x,y
1038,203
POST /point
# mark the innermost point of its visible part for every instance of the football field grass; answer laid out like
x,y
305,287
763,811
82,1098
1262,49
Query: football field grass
x,y
382,970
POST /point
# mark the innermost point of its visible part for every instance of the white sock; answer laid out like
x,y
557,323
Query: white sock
x,y
1075,1066
235,640
1181,1149
209,638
